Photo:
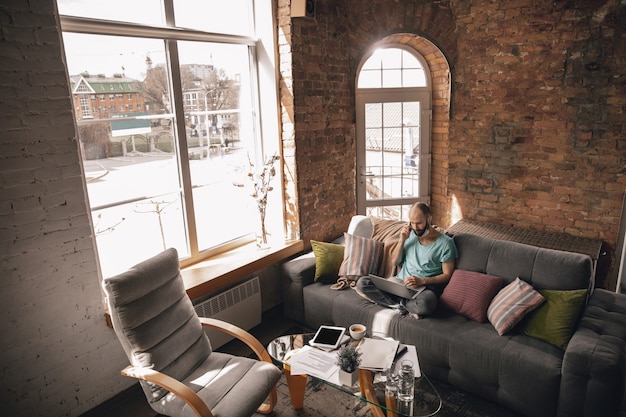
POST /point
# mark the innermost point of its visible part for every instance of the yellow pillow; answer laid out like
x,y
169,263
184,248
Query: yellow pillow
x,y
555,320
328,259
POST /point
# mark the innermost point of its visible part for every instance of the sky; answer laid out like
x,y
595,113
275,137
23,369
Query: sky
x,y
109,55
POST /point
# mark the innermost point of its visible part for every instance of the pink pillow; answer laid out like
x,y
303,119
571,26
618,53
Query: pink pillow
x,y
469,293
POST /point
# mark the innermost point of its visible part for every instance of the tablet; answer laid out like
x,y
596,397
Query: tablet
x,y
328,337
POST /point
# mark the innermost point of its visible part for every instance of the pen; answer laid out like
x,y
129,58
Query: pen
x,y
400,352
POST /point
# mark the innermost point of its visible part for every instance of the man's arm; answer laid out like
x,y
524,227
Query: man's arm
x,y
404,235
443,278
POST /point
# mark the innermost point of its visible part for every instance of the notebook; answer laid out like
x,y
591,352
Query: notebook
x,y
377,354
395,286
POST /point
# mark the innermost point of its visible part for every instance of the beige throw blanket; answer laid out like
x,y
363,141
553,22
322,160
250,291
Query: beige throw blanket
x,y
388,232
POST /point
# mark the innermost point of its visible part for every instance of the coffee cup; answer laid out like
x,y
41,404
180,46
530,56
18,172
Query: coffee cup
x,y
357,331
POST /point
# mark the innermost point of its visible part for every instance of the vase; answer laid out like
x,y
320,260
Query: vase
x,y
261,237
348,378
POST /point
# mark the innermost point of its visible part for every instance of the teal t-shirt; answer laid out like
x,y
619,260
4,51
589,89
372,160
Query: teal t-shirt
x,y
425,261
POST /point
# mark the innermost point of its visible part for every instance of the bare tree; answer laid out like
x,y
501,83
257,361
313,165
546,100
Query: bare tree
x,y
221,92
158,207
156,87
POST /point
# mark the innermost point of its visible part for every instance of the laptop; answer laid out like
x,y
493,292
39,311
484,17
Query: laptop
x,y
395,286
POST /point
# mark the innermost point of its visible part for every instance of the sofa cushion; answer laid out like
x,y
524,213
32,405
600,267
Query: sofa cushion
x,y
361,257
328,259
469,293
511,304
318,304
555,321
543,268
361,226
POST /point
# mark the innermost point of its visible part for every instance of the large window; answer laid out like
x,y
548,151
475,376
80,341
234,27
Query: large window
x,y
168,108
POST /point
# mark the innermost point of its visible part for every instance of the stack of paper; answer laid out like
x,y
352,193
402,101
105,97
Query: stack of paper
x,y
377,354
314,362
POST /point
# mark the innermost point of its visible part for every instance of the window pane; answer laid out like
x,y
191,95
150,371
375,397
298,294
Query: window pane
x,y
392,114
391,58
374,62
109,56
137,11
411,131
400,212
127,234
374,112
410,61
129,148
392,78
216,86
216,16
397,68
369,79
392,145
413,78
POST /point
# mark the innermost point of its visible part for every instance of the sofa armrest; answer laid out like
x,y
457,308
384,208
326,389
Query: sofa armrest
x,y
594,364
297,273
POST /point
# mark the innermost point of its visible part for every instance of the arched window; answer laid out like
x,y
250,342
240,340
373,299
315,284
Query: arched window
x,y
393,99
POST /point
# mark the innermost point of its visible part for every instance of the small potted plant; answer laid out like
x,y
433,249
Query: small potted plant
x,y
348,360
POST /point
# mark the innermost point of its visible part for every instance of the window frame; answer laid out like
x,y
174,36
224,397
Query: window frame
x,y
262,58
422,94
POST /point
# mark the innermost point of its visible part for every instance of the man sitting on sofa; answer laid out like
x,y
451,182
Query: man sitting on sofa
x,y
428,258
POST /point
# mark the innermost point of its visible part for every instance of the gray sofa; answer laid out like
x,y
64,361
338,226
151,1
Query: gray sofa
x,y
522,373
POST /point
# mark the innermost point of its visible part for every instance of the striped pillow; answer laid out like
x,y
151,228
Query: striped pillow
x,y
511,304
361,257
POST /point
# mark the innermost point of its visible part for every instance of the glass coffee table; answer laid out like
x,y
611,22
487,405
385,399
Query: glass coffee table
x,y
370,388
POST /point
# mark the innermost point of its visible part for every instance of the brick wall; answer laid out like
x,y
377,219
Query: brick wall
x,y
56,354
318,121
535,133
539,122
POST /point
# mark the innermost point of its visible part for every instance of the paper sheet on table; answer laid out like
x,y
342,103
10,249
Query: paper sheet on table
x,y
314,362
377,354
411,355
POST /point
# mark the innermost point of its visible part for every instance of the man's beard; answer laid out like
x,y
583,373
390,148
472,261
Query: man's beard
x,y
423,232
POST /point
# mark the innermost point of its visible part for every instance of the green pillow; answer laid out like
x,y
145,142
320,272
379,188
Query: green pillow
x,y
328,259
554,320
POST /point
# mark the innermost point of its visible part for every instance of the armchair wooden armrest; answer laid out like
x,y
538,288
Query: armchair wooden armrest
x,y
253,343
172,385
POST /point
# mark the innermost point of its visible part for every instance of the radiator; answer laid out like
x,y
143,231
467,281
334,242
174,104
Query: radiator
x,y
240,305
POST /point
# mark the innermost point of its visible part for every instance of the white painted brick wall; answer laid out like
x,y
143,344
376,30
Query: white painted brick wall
x,y
57,357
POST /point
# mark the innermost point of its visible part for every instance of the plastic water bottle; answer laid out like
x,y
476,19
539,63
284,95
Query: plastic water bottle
x,y
407,382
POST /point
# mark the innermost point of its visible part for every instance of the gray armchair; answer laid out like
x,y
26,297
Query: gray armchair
x,y
171,355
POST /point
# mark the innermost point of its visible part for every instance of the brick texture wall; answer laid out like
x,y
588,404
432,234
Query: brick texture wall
x,y
56,354
535,132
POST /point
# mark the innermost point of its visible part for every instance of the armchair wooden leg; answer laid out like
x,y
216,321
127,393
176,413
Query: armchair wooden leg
x,y
267,408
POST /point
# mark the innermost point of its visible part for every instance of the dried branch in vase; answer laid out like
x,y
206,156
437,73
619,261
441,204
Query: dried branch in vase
x,y
260,188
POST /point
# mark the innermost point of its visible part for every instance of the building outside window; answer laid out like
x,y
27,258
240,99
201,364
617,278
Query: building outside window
x,y
173,171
